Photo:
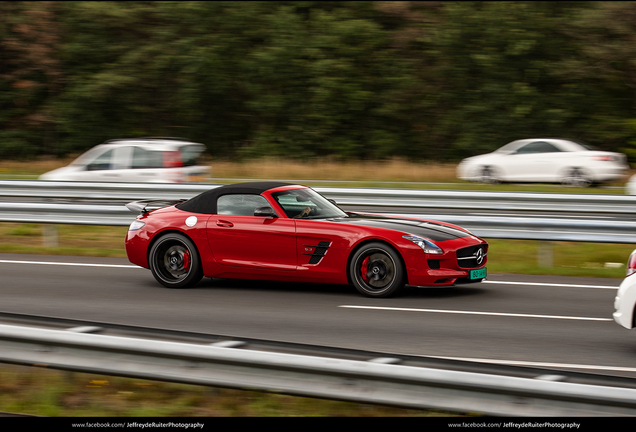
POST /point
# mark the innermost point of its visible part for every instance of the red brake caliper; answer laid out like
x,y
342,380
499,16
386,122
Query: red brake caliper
x,y
363,270
186,260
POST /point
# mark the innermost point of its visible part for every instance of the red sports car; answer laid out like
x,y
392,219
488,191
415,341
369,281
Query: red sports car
x,y
279,231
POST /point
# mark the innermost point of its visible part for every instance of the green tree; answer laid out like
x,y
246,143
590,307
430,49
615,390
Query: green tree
x,y
602,74
424,80
322,82
493,68
30,77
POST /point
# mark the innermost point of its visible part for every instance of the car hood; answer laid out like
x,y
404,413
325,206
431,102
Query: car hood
x,y
431,230
59,173
482,157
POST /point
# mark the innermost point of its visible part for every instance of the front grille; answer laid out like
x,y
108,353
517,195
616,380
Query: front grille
x,y
466,257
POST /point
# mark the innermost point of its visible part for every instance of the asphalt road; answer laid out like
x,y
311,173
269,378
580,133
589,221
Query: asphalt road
x,y
556,322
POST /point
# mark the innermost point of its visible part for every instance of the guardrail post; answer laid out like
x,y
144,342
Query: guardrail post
x,y
545,254
50,236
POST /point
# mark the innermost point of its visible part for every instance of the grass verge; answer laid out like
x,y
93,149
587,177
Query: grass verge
x,y
52,393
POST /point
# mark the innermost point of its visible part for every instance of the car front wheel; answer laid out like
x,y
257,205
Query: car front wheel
x,y
376,270
488,176
174,261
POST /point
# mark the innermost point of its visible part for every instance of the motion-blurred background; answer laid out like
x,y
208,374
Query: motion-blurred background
x,y
434,81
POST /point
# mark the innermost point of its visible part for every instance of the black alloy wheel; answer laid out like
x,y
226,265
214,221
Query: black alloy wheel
x,y
175,262
376,270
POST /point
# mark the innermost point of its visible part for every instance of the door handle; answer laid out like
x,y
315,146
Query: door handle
x,y
223,223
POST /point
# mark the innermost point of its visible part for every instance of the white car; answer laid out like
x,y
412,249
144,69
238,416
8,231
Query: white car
x,y
545,161
625,301
630,187
138,160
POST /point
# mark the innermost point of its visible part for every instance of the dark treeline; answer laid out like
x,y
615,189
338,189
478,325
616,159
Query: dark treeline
x,y
420,80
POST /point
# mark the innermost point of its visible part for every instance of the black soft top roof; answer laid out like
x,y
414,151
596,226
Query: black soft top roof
x,y
205,202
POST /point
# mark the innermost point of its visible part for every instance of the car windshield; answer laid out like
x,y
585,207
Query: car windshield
x,y
307,204
510,147
88,156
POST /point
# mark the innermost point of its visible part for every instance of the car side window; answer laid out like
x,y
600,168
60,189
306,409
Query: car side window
x,y
548,148
142,158
240,204
101,162
537,147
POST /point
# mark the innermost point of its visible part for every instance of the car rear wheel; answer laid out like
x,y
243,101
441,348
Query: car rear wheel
x,y
376,270
576,177
174,261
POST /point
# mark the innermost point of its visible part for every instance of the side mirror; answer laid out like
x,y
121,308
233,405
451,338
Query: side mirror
x,y
264,212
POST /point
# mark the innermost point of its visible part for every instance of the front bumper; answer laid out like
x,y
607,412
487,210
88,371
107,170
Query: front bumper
x,y
446,272
624,303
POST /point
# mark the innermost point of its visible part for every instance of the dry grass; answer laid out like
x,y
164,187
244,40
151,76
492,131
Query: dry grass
x,y
397,170
32,167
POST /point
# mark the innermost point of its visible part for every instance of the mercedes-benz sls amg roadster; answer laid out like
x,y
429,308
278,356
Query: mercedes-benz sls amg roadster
x,y
286,232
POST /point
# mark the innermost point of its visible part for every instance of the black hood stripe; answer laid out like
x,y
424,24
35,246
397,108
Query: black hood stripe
x,y
429,230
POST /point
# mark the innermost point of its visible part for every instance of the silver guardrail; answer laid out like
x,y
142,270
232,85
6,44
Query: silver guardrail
x,y
414,202
520,228
377,381
450,199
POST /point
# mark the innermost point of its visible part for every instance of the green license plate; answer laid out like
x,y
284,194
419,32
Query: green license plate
x,y
477,274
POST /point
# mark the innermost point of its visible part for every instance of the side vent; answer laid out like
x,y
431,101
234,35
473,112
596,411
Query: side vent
x,y
319,251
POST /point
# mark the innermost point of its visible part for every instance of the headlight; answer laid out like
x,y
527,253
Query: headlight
x,y
427,246
136,225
